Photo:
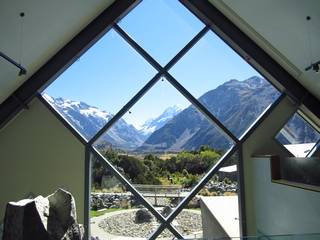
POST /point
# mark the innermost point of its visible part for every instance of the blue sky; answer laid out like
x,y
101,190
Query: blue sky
x,y
111,72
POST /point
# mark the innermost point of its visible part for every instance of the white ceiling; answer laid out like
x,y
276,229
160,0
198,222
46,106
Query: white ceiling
x,y
47,26
281,28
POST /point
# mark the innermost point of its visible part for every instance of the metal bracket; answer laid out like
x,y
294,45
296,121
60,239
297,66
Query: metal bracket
x,y
22,71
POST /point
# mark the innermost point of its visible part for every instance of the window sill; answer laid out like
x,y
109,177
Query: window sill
x,y
297,185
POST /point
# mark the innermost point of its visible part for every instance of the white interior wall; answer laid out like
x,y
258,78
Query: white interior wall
x,y
281,209
270,208
39,155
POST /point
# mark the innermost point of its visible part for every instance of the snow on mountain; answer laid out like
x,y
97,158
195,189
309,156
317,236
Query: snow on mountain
x,y
154,124
88,120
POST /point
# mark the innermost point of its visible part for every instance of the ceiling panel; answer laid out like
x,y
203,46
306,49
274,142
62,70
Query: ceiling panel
x,y
46,27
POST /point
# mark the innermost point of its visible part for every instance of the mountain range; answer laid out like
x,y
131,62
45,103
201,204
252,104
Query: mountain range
x,y
88,120
237,104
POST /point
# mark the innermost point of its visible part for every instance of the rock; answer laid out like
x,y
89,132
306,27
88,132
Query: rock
x,y
50,218
143,216
74,232
166,211
62,213
26,219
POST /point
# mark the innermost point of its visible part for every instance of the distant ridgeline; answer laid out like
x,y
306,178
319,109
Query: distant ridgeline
x,y
237,104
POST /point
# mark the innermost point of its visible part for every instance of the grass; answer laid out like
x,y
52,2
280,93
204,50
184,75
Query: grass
x,y
94,213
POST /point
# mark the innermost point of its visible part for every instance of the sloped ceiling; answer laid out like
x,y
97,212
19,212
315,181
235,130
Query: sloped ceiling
x,y
46,27
281,28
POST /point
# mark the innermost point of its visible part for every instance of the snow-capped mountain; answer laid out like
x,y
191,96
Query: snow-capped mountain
x,y
235,103
88,120
154,124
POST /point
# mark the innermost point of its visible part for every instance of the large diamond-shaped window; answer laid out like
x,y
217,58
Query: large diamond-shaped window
x,y
152,148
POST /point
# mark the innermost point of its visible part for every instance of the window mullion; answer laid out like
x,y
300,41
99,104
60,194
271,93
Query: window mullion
x,y
126,183
200,107
125,108
138,48
186,48
195,190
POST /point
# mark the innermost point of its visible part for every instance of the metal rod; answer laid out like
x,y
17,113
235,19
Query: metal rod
x,y
150,59
200,107
241,193
314,149
170,227
174,231
186,48
261,118
126,108
138,48
22,71
87,192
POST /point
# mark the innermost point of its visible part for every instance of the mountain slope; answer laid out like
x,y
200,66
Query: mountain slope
x,y
152,125
88,120
235,103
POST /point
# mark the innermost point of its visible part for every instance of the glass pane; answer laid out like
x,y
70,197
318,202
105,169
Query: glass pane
x,y
213,213
298,136
224,83
162,28
115,212
99,84
164,155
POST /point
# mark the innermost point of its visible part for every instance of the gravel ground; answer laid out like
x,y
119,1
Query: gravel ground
x,y
122,224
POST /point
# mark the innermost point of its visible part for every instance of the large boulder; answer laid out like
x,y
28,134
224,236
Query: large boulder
x,y
143,216
50,218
